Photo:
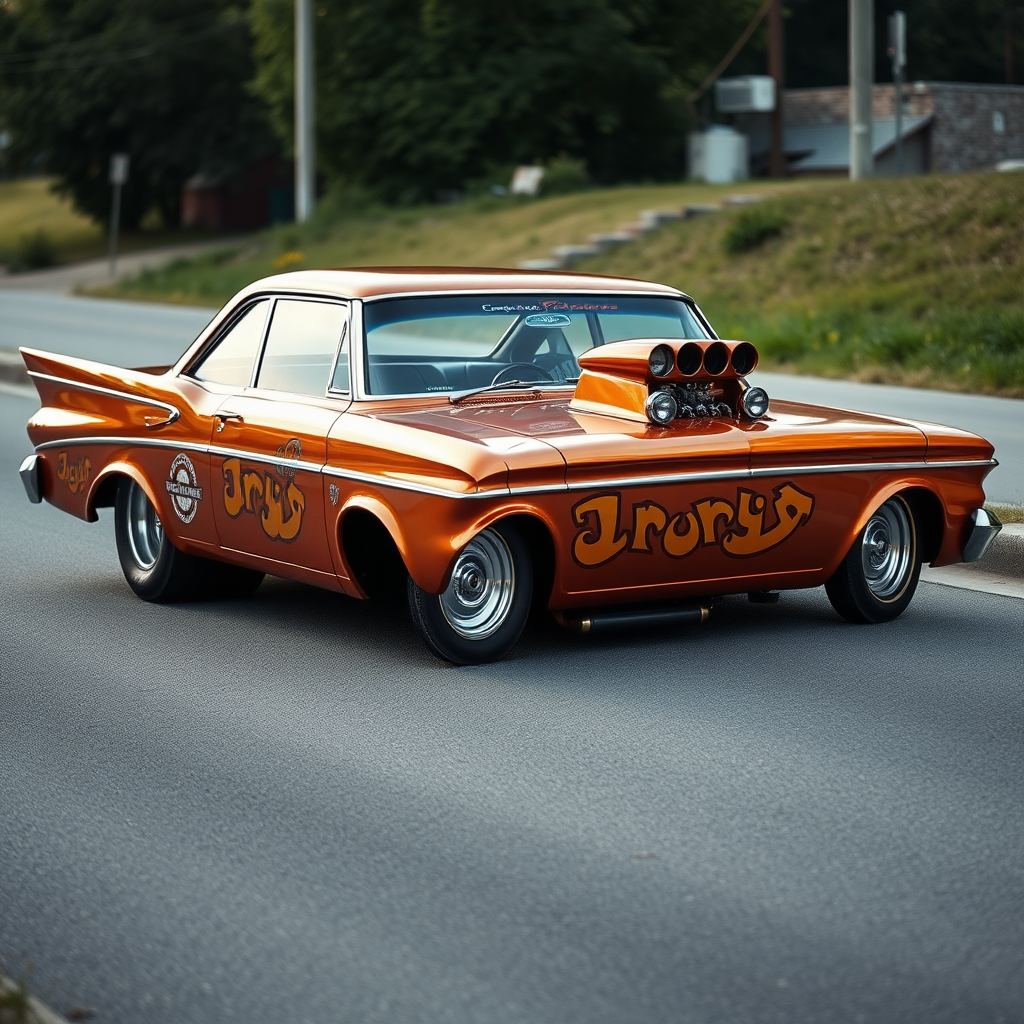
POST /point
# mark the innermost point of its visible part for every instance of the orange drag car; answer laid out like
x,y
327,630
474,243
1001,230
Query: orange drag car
x,y
491,440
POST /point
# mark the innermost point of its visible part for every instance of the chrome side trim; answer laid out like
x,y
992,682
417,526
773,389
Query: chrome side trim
x,y
725,474
124,441
407,485
270,460
173,412
581,485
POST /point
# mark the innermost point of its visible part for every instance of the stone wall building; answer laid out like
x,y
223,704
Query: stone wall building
x,y
947,126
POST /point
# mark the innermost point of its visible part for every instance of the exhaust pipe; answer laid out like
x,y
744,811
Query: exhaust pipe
x,y
608,621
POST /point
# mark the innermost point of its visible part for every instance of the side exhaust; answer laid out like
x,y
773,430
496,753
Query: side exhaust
x,y
602,620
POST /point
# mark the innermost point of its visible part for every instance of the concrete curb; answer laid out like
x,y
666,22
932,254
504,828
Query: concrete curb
x,y
1006,556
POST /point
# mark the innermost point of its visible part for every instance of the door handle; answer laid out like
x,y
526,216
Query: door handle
x,y
223,417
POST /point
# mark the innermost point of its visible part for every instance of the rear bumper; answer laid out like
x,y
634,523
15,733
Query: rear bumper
x,y
32,478
983,527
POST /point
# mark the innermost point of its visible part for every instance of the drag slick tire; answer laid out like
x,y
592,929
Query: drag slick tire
x,y
482,612
877,579
156,570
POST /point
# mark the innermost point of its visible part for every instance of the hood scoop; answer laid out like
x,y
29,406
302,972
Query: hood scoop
x,y
658,381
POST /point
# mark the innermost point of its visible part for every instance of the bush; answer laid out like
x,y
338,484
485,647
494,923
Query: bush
x,y
563,175
36,251
752,226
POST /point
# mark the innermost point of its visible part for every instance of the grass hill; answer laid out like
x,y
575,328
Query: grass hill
x,y
917,280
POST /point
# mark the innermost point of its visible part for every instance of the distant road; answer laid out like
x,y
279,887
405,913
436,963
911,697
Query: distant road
x,y
65,279
145,334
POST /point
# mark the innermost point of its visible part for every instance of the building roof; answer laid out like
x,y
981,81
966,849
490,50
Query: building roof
x,y
826,147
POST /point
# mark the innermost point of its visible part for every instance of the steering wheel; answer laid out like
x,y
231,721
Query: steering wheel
x,y
526,372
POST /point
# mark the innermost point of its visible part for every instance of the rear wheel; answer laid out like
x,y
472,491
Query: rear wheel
x,y
156,570
482,612
876,580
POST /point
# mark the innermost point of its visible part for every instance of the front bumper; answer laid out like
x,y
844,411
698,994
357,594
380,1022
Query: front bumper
x,y
983,526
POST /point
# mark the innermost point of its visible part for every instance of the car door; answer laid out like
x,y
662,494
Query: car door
x,y
224,367
269,443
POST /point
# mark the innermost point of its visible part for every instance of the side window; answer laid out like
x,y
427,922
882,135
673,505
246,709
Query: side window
x,y
230,361
303,338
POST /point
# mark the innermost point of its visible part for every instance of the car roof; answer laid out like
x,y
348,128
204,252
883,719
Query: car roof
x,y
376,282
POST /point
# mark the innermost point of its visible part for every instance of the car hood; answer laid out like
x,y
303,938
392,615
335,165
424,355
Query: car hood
x,y
596,447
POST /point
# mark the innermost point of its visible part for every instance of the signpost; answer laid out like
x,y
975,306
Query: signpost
x,y
118,176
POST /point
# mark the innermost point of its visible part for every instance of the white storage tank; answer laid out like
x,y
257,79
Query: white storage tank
x,y
720,154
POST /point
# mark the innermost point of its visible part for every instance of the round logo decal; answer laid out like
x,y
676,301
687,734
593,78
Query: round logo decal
x,y
549,320
184,489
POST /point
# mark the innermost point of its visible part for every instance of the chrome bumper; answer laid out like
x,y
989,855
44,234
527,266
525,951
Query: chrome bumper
x,y
983,529
31,477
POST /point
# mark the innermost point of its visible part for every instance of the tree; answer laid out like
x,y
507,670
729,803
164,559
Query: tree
x,y
416,95
165,83
947,41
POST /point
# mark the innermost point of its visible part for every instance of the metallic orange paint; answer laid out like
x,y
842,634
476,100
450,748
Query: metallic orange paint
x,y
635,511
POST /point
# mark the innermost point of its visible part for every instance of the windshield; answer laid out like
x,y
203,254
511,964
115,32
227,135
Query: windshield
x,y
451,343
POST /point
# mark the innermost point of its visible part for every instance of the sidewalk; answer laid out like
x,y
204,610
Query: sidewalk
x,y
67,279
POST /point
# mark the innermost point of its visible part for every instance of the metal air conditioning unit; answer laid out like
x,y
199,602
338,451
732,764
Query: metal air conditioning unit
x,y
746,94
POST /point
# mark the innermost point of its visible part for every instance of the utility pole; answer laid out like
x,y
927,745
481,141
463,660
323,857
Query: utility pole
x,y
305,143
898,52
777,167
862,23
1008,54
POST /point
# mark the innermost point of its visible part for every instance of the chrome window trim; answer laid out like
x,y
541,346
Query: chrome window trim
x,y
697,476
173,412
276,297
215,336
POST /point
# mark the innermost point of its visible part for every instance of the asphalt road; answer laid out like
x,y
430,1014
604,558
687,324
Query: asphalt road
x,y
141,334
284,810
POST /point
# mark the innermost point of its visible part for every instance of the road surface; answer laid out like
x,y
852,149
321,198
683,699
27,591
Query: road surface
x,y
285,810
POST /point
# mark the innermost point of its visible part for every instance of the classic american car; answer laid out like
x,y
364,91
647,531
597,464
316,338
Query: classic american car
x,y
494,441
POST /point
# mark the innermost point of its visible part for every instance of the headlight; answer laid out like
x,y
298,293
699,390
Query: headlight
x,y
661,407
755,402
661,360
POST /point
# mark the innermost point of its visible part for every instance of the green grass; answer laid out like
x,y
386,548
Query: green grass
x,y
29,212
1007,513
917,281
485,232
38,228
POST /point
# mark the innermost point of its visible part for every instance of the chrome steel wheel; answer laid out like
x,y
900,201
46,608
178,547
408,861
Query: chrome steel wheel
x,y
479,597
887,550
145,531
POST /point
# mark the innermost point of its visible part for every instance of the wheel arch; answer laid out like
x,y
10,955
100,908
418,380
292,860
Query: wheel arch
x,y
103,493
375,549
929,518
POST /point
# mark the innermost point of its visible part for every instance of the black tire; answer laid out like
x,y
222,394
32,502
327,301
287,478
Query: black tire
x,y
156,570
481,614
876,580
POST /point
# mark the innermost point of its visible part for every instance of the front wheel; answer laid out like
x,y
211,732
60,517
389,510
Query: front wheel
x,y
877,579
156,570
483,610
